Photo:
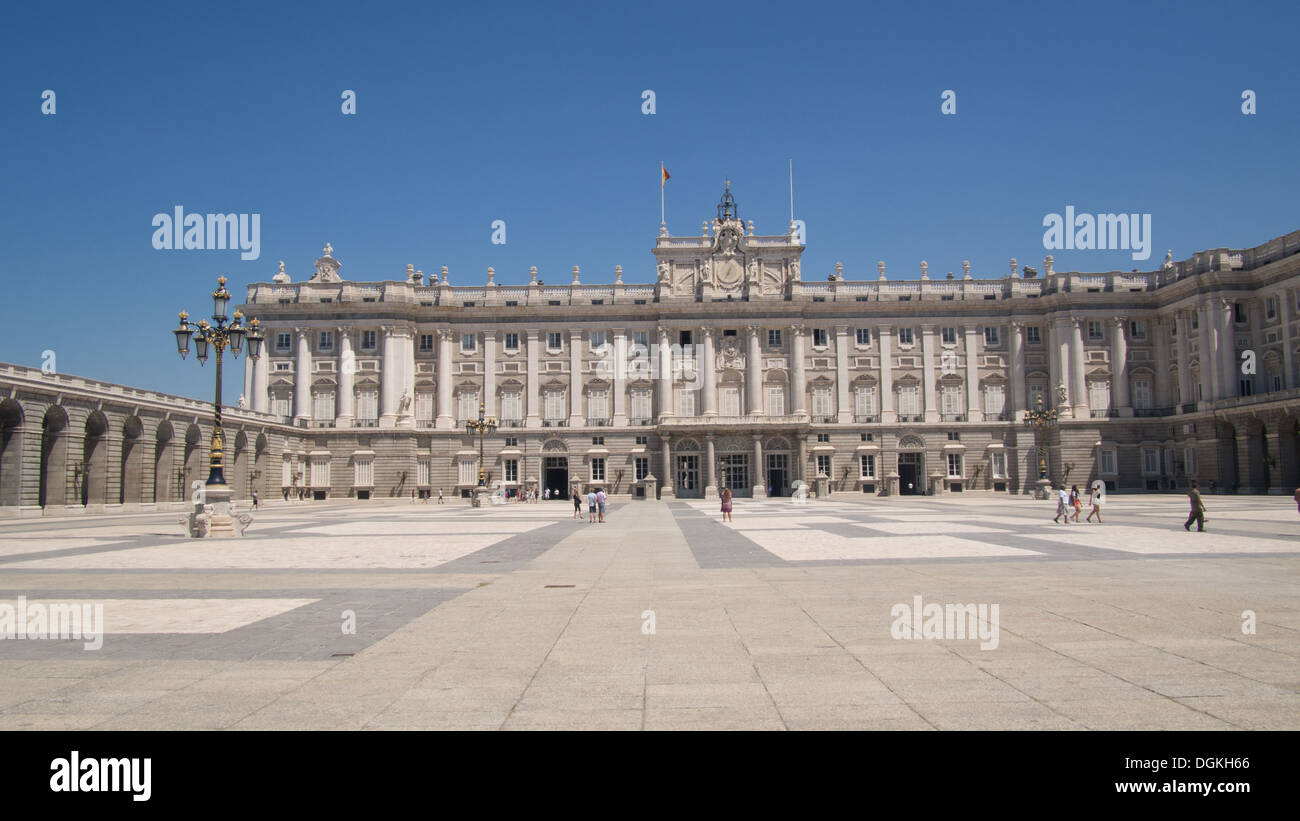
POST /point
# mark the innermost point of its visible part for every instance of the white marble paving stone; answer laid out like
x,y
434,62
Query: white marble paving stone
x,y
419,528
1148,540
796,546
37,544
926,527
122,616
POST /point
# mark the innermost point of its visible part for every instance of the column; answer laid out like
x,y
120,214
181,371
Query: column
x,y
1017,397
1052,344
885,336
759,476
302,377
1285,301
446,416
490,373
1119,367
576,418
927,373
1230,369
345,412
248,378
669,475
754,373
388,379
710,460
973,411
1159,327
707,373
620,378
533,388
1078,386
798,379
261,398
801,469
665,375
1186,393
406,358
1205,354
842,403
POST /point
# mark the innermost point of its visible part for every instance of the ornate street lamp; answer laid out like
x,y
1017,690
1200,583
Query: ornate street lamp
x,y
219,336
1041,420
482,425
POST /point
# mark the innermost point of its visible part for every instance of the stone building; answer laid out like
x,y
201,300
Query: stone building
x,y
729,368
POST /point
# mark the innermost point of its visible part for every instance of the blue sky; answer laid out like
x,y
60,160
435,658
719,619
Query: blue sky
x,y
468,113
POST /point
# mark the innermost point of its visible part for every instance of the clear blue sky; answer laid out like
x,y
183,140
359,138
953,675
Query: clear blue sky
x,y
467,113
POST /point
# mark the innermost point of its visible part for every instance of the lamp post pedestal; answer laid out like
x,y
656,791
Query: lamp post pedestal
x,y
480,496
1044,489
213,518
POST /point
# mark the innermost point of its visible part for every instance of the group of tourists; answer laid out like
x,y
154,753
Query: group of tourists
x,y
1068,501
595,505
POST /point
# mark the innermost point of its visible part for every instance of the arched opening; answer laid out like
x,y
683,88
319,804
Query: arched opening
x,y
239,479
54,458
131,491
94,460
1288,452
193,464
11,452
260,460
1227,436
1257,457
163,486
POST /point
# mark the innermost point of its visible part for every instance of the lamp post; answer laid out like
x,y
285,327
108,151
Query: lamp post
x,y
1041,420
481,425
224,332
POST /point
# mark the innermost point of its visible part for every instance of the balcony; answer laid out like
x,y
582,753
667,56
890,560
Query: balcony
x,y
555,423
643,422
1190,407
598,422
952,417
321,423
909,417
733,421
825,419
1148,412
424,423
1105,413
863,418
512,423
366,423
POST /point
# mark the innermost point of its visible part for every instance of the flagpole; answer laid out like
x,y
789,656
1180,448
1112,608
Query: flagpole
x,y
792,191
661,195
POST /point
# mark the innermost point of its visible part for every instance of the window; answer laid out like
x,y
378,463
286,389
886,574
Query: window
x,y
823,438
363,472
597,440
368,340
819,337
823,464
1189,461
468,405
775,400
867,437
641,338
1037,393
685,402
286,472
952,402
731,401
597,340
320,472
1099,395
426,343
1246,386
367,406
948,336
468,342
424,406
467,472
864,402
995,401
1270,307
512,342
325,342
1034,335
422,472
954,436
864,336
597,406
510,469
1137,329
554,341
1142,393
998,463
554,410
867,465
823,406
512,408
1095,331
954,466
683,338
643,440
990,337
282,341
1196,320
1276,381
1150,461
598,469
323,406
512,441
1107,467
641,405
909,402
774,338
904,336
641,465
282,406
284,366
1240,312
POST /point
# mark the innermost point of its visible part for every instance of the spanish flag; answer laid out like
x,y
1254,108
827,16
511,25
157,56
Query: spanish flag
x,y
664,173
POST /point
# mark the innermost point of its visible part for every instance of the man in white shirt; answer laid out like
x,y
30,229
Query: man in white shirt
x,y
1062,505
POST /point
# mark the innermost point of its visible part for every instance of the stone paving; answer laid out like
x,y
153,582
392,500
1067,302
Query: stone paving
x,y
426,616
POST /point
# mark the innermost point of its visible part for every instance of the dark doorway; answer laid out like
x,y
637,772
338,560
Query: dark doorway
x,y
555,477
777,476
910,481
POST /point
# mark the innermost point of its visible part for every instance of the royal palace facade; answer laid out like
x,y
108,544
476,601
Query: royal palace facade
x,y
730,369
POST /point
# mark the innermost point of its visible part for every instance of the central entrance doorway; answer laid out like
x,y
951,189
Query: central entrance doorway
x,y
555,477
911,481
778,472
735,473
688,475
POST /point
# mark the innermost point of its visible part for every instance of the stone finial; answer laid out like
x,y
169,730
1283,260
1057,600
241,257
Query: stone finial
x,y
925,270
419,278
1013,266
532,275
1169,259
704,229
410,272
618,274
751,228
443,275
280,277
839,271
491,274
950,276
880,266
1049,262
329,249
965,269
575,275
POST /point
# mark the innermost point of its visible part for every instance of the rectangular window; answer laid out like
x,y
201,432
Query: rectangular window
x,y
320,472
823,464
1150,461
282,341
643,440
823,405
995,401
1270,307
1189,461
1240,312
468,405
904,336
426,343
867,465
1108,463
597,340
1142,393
467,472
641,465
685,402
512,406
1196,320
819,337
1037,393
823,438
554,341
990,337
864,336
641,339
363,472
424,406
367,406
368,340
909,401
286,472
326,341
999,464
422,472
683,338
1034,335
952,402
510,467
1137,329
597,406
948,336
731,401
323,406
512,441
864,402
1246,386
954,466
281,406
597,469
468,342
641,405
1098,395
1095,332
775,400
512,341
554,410
774,337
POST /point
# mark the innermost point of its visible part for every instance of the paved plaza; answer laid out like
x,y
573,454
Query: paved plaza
x,y
427,616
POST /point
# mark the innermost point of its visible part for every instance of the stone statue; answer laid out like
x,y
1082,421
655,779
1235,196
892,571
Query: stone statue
x,y
329,249
243,402
405,402
664,272
1062,394
706,272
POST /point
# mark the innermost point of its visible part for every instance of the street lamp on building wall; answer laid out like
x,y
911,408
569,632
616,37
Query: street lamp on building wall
x,y
1041,420
481,425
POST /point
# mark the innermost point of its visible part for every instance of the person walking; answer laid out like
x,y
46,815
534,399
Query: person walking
x,y
601,498
577,504
726,504
591,507
1062,503
1075,502
441,501
1198,510
1095,500
1296,497
255,498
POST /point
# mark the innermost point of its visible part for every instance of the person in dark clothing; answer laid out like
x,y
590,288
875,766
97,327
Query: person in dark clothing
x,y
1198,510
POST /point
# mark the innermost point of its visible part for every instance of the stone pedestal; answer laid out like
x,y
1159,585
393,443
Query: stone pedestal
x,y
651,486
480,496
213,517
823,485
1043,489
710,491
891,484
